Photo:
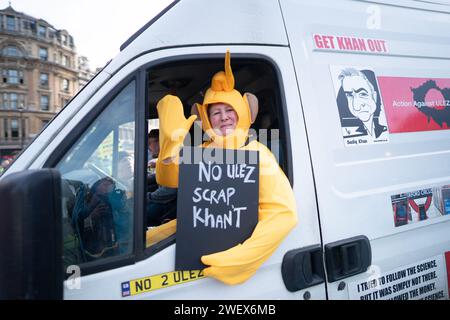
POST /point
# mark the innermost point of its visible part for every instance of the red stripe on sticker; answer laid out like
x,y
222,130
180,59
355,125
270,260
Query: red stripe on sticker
x,y
447,262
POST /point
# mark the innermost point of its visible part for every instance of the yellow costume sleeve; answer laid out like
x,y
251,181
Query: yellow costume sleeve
x,y
173,127
156,234
277,216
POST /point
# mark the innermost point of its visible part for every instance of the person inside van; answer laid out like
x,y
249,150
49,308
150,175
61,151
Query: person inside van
x,y
226,117
153,148
162,201
363,102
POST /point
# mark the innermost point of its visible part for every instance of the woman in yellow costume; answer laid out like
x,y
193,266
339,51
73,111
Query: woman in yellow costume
x,y
276,210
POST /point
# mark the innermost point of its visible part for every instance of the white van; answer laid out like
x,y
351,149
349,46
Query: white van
x,y
358,93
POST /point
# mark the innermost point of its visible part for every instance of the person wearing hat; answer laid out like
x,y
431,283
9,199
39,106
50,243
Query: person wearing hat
x,y
226,117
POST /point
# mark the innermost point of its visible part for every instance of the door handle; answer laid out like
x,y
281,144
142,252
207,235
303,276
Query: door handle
x,y
346,258
303,268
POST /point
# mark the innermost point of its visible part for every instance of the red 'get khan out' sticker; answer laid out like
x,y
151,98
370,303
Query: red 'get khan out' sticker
x,y
349,43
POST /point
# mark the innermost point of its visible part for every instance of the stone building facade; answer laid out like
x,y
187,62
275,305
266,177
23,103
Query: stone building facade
x,y
39,75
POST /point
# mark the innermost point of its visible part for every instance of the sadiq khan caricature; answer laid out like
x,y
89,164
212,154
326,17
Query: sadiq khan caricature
x,y
360,108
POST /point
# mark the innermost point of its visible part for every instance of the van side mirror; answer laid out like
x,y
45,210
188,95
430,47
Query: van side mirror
x,y
31,235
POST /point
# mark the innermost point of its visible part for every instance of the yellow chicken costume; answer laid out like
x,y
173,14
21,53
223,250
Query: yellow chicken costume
x,y
277,214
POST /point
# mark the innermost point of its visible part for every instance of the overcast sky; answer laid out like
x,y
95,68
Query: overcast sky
x,y
98,27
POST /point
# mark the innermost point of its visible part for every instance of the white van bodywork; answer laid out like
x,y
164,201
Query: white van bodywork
x,y
341,191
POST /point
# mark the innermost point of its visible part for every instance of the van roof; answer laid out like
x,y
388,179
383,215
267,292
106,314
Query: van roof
x,y
200,22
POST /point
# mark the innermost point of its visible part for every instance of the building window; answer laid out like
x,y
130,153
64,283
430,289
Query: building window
x,y
26,25
65,85
42,31
43,54
10,23
45,103
43,80
5,103
11,101
14,128
51,33
12,76
11,51
65,61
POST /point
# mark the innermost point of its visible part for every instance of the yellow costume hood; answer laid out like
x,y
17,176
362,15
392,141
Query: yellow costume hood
x,y
222,91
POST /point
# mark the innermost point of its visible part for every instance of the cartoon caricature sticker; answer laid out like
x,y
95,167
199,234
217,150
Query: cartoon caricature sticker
x,y
360,106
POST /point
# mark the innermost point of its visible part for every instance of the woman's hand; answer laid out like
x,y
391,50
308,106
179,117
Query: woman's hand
x,y
173,126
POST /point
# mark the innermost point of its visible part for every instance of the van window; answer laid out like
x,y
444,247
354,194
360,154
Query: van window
x,y
189,80
97,185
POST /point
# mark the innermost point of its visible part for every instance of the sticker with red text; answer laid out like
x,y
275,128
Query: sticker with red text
x,y
348,43
416,104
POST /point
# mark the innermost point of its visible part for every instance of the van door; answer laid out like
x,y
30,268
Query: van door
x,y
101,202
381,176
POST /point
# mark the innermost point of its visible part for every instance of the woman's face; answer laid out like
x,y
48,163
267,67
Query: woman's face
x,y
223,118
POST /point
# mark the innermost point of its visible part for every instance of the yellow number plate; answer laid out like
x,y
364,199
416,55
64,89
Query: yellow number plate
x,y
163,280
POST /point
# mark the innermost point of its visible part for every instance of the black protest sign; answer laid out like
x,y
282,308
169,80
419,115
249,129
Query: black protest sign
x,y
217,205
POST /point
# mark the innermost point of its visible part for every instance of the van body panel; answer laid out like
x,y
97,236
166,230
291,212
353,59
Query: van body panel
x,y
355,184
